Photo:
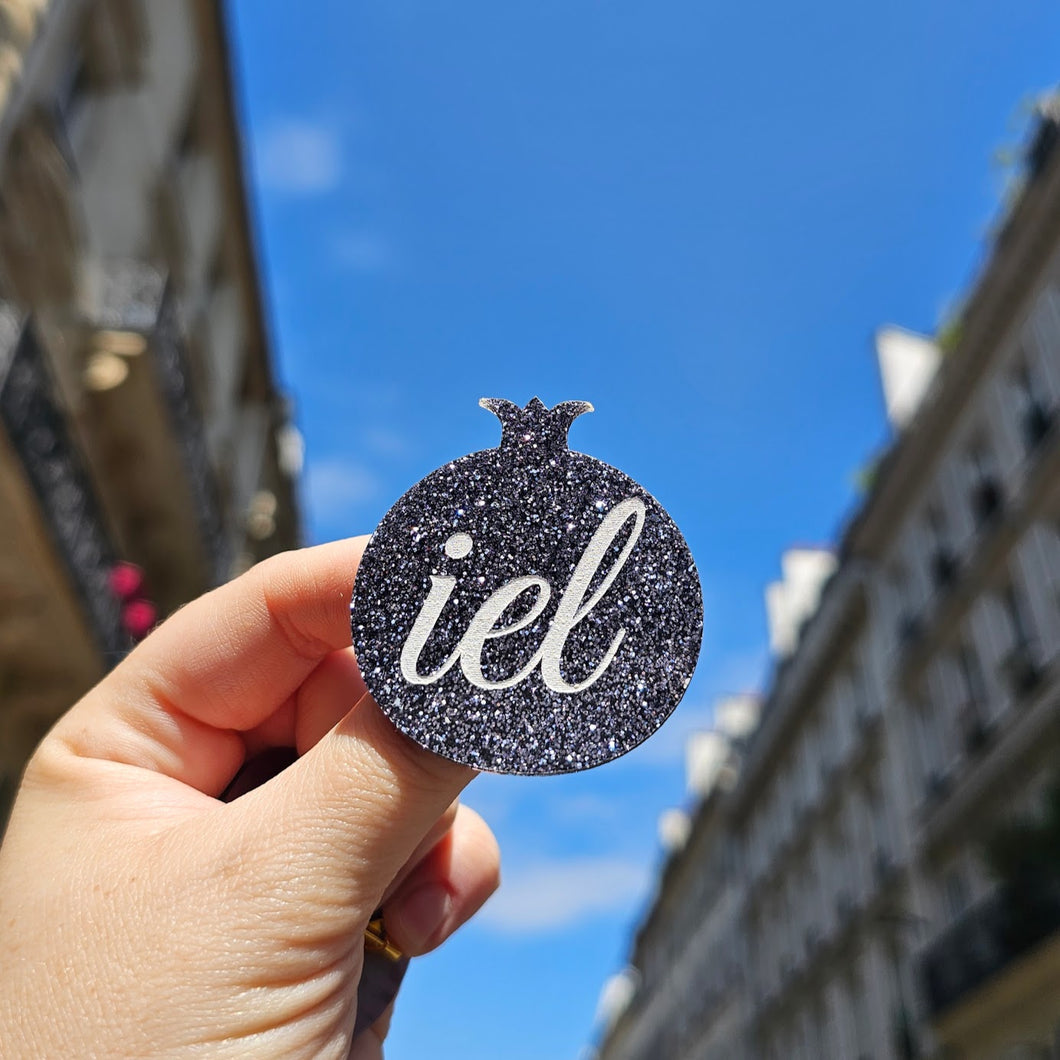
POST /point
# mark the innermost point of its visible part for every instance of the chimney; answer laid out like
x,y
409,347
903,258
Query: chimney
x,y
794,599
674,828
615,997
908,363
737,716
705,755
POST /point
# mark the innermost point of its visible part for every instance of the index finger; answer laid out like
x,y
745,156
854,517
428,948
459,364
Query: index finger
x,y
220,666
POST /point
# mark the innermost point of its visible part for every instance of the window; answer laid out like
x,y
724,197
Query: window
x,y
862,1022
928,746
986,497
1035,417
942,562
972,711
895,583
936,524
1019,619
876,806
1020,665
188,140
895,574
971,674
955,893
72,96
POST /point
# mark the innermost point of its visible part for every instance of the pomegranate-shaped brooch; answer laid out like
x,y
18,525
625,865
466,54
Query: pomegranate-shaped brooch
x,y
527,609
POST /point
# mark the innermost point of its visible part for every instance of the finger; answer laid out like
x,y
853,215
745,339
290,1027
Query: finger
x,y
220,667
319,704
354,808
446,888
315,708
438,831
325,698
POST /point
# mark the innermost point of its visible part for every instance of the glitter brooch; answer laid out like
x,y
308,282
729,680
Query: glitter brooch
x,y
527,609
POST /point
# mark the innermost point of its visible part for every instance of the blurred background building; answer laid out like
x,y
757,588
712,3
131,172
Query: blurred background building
x,y
874,871
145,452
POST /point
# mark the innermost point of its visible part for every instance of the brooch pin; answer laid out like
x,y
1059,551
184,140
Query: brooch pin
x,y
527,609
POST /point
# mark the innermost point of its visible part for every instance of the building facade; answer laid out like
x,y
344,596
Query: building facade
x,y
146,453
890,851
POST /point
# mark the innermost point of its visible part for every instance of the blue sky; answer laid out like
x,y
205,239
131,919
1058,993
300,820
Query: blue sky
x,y
693,215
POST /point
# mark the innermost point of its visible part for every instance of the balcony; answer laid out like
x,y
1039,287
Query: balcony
x,y
146,437
53,466
987,942
60,624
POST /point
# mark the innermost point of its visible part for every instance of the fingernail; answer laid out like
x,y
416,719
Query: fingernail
x,y
423,915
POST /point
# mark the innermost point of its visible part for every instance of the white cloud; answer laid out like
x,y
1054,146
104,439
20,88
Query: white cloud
x,y
335,486
385,442
299,157
587,808
364,252
554,895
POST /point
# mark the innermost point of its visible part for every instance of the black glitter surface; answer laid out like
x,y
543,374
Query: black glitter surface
x,y
529,507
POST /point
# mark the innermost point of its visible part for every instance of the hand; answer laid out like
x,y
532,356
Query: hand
x,y
141,916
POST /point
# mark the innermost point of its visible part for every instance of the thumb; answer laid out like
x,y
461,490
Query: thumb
x,y
352,810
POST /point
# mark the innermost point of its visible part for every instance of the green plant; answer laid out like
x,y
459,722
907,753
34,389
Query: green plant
x,y
949,333
864,477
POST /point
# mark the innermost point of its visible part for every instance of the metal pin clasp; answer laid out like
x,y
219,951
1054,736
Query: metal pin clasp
x,y
376,939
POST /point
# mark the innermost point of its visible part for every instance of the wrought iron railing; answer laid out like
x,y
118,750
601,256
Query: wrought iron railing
x,y
986,940
137,297
174,378
36,426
